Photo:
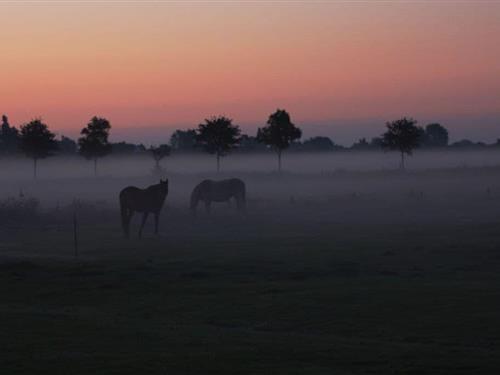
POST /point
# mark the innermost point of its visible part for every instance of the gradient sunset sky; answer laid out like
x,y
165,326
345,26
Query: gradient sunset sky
x,y
340,68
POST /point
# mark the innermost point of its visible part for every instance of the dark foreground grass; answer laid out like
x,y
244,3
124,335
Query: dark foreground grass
x,y
305,292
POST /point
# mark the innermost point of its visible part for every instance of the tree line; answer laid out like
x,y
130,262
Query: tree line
x,y
218,135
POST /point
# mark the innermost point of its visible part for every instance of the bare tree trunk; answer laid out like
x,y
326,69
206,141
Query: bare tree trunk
x,y
279,160
34,168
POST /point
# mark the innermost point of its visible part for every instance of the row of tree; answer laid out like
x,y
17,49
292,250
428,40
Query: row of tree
x,y
216,135
37,142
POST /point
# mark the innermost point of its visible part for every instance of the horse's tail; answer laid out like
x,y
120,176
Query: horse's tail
x,y
124,214
195,196
242,201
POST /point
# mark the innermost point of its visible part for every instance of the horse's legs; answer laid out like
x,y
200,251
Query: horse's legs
x,y
128,216
157,219
207,206
125,216
144,218
131,214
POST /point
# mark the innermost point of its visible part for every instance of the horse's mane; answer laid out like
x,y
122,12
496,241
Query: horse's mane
x,y
153,187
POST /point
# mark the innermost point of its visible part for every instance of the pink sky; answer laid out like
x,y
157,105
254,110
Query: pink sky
x,y
347,66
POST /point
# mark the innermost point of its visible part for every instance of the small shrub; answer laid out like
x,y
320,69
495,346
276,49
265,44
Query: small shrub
x,y
19,208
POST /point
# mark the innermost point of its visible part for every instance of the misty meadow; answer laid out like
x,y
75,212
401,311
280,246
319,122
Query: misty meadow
x,y
249,187
343,260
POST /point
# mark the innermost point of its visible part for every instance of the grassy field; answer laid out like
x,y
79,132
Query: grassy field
x,y
401,276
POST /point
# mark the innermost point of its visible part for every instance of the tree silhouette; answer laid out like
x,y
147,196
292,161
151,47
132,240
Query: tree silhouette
x,y
318,144
37,141
158,154
279,133
9,137
94,142
250,144
402,135
218,136
436,135
67,146
363,145
124,148
467,144
183,140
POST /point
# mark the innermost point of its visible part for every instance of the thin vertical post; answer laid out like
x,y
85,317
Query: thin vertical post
x,y
75,229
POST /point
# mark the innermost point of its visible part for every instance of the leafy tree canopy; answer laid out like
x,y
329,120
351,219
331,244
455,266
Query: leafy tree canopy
x,y
124,148
402,135
94,141
183,140
318,144
279,132
218,135
435,135
9,137
67,146
37,141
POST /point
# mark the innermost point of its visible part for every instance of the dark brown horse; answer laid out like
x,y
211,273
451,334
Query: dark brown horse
x,y
149,200
209,191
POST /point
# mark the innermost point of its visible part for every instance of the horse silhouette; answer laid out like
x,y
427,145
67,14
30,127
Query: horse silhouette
x,y
149,200
210,191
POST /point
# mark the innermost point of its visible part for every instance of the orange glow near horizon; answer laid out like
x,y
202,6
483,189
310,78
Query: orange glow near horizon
x,y
173,64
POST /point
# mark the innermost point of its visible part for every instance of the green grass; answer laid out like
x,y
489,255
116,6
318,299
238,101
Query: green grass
x,y
303,292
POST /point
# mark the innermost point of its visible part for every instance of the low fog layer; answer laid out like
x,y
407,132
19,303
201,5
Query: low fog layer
x,y
318,176
296,163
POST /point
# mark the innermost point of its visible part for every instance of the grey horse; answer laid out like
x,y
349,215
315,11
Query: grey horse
x,y
209,191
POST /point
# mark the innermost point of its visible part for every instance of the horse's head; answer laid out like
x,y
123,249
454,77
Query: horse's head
x,y
195,197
